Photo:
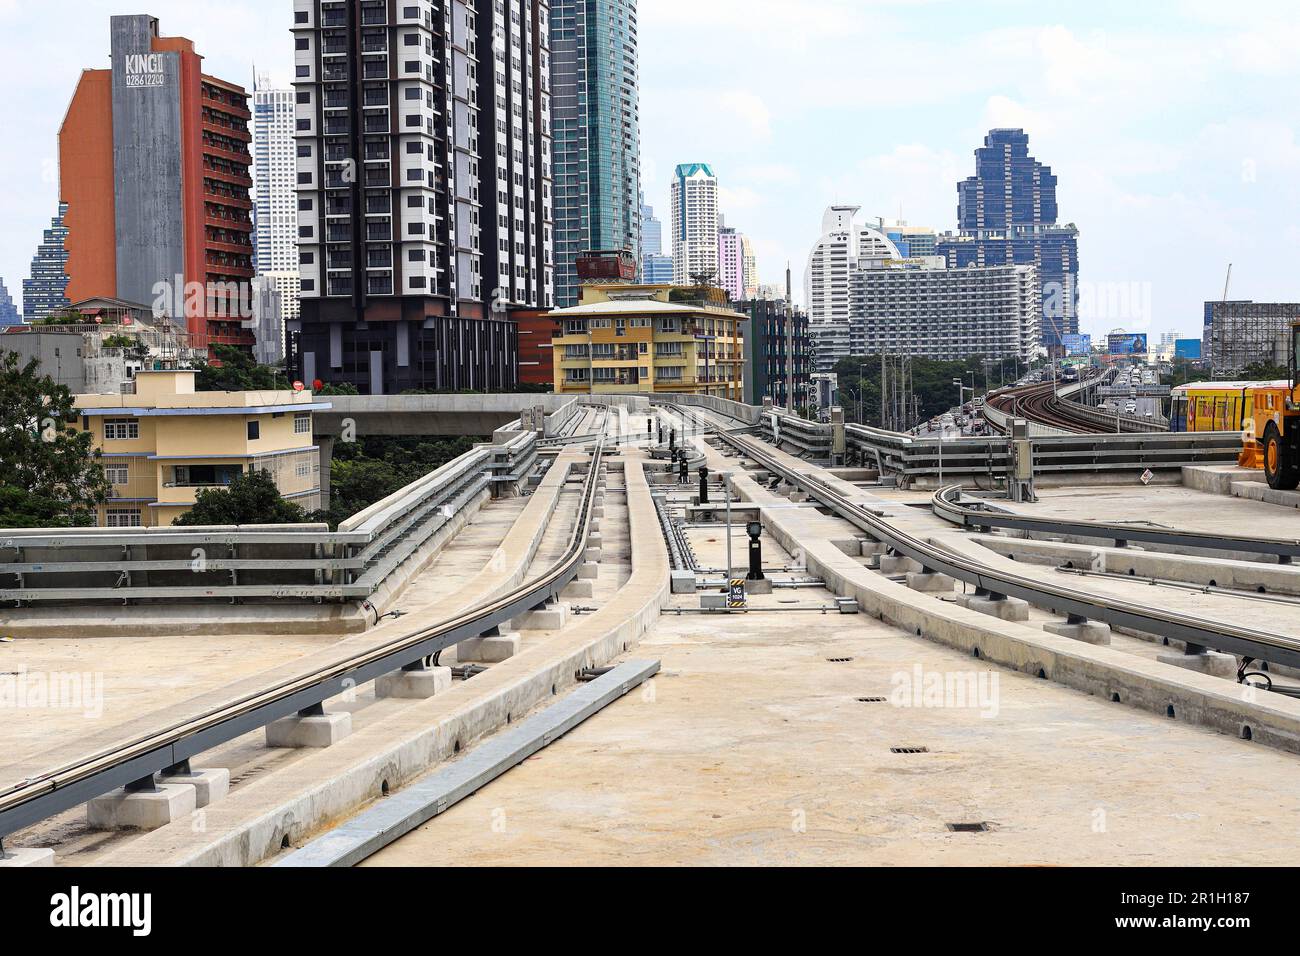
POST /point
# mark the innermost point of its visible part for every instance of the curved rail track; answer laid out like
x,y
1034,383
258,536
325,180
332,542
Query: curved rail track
x,y
137,759
1230,638
948,504
1041,404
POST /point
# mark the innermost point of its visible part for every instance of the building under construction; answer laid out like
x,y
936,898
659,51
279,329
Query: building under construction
x,y
1241,333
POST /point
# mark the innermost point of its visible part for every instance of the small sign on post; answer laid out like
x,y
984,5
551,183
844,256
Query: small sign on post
x,y
736,598
1148,476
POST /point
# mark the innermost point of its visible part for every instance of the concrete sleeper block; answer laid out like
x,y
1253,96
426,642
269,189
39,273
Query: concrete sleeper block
x,y
141,809
1214,663
414,685
1091,632
20,857
580,590
209,785
1008,609
491,650
930,583
320,730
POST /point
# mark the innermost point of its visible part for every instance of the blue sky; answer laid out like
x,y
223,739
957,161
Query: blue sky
x,y
1170,125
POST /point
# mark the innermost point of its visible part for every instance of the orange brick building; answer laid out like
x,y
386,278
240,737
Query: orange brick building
x,y
154,166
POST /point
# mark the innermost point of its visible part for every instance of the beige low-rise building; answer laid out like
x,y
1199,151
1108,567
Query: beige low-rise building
x,y
640,338
165,442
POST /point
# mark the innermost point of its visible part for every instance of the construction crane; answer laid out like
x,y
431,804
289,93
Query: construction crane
x,y
1227,279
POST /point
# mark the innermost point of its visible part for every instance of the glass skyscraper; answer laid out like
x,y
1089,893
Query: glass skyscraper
x,y
656,268
45,292
8,311
595,118
1006,215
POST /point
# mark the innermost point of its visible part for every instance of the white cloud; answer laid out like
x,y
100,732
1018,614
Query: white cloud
x,y
749,109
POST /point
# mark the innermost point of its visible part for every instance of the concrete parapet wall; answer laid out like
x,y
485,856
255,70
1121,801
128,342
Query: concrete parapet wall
x,y
1218,571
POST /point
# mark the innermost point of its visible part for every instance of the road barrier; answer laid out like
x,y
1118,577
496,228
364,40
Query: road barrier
x,y
257,563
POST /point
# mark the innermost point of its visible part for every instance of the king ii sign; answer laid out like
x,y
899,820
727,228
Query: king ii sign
x,y
144,69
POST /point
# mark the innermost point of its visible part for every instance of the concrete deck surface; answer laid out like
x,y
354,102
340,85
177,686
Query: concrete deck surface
x,y
753,749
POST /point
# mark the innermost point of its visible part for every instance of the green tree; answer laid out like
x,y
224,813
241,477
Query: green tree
x,y
50,475
931,381
338,388
370,470
250,498
1264,372
236,371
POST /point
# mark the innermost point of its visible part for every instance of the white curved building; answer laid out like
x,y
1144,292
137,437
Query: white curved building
x,y
828,280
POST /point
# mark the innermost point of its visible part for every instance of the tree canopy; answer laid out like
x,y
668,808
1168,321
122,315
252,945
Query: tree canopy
x,y
50,475
238,372
371,469
931,381
250,498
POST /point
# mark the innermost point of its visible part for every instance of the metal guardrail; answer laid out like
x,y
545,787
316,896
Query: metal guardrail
x,y
287,562
909,457
136,760
984,516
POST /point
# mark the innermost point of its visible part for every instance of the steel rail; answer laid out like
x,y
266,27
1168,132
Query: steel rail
x,y
1230,638
93,775
947,505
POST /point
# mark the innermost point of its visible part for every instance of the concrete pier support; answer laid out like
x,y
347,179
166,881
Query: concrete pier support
x,y
550,618
309,728
1080,629
929,582
897,564
495,646
581,590
417,683
142,809
1000,606
1196,657
19,857
963,600
209,785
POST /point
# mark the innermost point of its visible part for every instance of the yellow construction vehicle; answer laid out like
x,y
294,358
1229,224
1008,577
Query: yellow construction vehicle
x,y
1276,424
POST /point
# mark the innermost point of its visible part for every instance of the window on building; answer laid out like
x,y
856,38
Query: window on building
x,y
254,430
117,474
302,424
122,518
121,429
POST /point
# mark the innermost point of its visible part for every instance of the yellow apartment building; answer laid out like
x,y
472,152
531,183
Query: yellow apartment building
x,y
649,338
167,441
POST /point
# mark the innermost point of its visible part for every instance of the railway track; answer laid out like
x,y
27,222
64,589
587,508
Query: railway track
x,y
1222,636
1040,403
135,761
948,504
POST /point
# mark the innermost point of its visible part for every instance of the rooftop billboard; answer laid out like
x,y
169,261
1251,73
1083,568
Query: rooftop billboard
x,y
1126,343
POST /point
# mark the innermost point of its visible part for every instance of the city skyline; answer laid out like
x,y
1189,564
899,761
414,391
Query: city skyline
x,y
1166,189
